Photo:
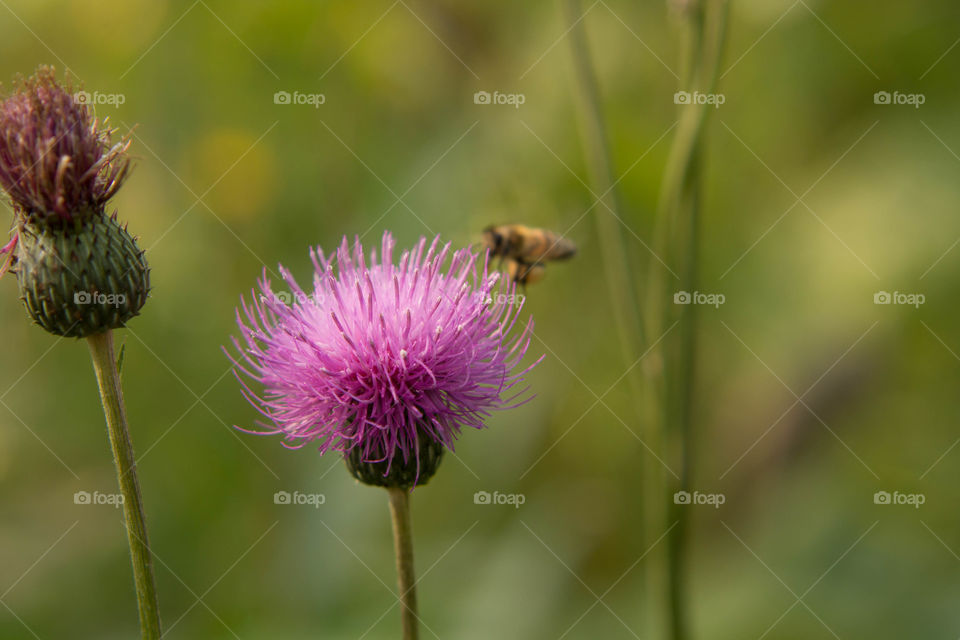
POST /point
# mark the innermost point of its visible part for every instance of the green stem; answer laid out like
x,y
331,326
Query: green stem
x,y
678,238
403,545
105,366
623,296
609,212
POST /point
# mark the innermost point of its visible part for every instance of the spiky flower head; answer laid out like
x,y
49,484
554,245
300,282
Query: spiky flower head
x,y
383,362
79,271
57,162
83,281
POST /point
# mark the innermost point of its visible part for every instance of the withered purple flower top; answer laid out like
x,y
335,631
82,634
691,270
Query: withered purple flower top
x,y
382,359
57,161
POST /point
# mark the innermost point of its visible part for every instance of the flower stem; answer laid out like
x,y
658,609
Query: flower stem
x,y
678,238
108,379
403,545
624,281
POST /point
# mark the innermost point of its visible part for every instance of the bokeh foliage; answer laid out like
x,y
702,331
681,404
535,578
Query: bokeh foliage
x,y
228,181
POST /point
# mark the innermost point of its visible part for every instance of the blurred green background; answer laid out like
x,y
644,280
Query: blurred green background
x,y
816,199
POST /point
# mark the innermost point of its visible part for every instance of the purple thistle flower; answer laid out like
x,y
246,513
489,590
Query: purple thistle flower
x,y
381,360
56,160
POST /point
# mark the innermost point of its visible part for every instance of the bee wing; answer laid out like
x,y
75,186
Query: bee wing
x,y
559,247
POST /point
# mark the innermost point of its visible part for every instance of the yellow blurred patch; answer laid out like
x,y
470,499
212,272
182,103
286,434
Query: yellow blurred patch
x,y
399,57
119,26
243,169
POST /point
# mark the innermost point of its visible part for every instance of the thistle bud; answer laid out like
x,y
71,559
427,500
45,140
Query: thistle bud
x,y
81,279
79,271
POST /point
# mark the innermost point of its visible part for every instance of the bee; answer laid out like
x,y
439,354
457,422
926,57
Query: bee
x,y
526,249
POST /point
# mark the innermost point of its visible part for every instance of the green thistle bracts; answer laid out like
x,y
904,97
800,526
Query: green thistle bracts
x,y
82,278
402,474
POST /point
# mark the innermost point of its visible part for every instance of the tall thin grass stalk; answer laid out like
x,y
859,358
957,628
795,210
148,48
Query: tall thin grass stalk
x,y
678,239
622,281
